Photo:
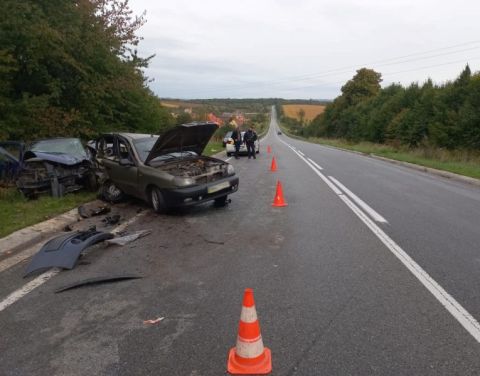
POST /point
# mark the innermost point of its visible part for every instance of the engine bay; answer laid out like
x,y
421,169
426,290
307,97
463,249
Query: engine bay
x,y
201,169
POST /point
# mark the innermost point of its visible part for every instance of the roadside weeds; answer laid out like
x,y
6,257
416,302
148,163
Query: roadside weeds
x,y
466,172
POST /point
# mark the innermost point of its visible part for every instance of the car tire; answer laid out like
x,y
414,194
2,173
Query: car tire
x,y
157,201
229,154
111,193
220,201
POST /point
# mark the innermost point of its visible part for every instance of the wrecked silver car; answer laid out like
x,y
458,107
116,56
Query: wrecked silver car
x,y
56,166
168,171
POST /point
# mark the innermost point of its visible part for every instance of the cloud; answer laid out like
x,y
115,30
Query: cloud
x,y
260,48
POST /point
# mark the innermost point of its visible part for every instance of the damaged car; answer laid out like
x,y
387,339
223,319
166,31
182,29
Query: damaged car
x,y
56,166
167,171
11,156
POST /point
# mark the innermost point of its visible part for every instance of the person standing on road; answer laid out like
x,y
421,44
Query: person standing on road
x,y
237,140
250,137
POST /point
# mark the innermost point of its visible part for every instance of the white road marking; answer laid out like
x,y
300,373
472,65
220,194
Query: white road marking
x,y
315,164
372,213
303,155
465,319
44,277
323,177
226,160
451,305
30,286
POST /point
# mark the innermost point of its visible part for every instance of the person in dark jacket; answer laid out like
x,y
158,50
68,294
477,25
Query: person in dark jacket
x,y
237,140
249,138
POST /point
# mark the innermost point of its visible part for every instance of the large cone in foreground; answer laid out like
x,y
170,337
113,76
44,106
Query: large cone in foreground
x,y
249,357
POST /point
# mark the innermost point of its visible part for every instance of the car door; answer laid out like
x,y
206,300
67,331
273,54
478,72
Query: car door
x,y
120,165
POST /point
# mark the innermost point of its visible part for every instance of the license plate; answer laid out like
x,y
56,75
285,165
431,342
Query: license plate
x,y
218,187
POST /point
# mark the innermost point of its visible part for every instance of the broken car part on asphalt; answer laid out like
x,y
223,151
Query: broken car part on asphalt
x,y
98,280
122,240
63,251
168,171
85,212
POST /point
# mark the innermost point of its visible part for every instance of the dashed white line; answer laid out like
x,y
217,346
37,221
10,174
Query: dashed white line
x,y
44,277
226,160
371,212
469,323
303,155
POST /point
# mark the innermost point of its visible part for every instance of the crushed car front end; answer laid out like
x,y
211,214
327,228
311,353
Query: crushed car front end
x,y
56,167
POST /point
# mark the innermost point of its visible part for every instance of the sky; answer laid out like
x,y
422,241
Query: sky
x,y
302,48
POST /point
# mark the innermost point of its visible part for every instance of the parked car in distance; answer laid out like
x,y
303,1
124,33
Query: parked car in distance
x,y
168,171
230,148
55,166
228,136
279,133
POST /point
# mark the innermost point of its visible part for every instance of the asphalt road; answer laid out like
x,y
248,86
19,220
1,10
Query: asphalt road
x,y
335,294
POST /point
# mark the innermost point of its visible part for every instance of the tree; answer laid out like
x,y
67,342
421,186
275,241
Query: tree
x,y
365,84
71,68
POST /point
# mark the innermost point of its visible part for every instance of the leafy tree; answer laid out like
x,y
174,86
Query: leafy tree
x,y
71,68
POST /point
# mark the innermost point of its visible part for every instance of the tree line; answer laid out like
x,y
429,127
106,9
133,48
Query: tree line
x,y
428,115
72,68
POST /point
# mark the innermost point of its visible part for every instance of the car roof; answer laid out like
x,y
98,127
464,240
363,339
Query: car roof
x,y
132,136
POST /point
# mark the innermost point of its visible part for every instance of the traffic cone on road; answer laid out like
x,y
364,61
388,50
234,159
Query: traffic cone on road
x,y
279,201
273,167
249,357
269,149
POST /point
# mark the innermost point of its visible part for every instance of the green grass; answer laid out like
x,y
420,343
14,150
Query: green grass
x,y
17,212
459,162
213,147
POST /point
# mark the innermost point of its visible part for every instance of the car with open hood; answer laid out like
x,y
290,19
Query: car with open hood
x,y
168,171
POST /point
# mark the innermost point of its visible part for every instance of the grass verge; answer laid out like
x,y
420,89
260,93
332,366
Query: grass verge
x,y
458,162
213,147
17,212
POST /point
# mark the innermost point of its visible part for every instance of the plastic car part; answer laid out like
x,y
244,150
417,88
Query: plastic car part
x,y
98,280
63,251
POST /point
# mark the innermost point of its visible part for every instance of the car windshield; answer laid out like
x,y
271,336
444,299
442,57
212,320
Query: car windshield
x,y
144,145
71,146
228,134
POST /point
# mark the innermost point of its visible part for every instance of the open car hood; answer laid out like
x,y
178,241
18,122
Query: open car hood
x,y
186,137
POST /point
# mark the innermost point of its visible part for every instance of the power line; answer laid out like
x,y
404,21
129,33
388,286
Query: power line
x,y
333,72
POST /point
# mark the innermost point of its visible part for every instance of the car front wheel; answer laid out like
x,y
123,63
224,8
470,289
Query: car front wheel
x,y
157,201
111,193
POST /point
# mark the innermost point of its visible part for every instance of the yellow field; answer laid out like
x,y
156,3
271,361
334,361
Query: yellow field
x,y
311,110
176,104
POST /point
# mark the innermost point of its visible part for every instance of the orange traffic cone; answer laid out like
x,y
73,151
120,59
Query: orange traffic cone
x,y
279,200
249,357
269,149
273,167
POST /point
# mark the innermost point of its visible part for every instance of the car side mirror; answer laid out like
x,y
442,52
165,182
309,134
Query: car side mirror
x,y
125,162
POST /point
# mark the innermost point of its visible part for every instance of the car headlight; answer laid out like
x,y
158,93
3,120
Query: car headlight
x,y
183,182
230,170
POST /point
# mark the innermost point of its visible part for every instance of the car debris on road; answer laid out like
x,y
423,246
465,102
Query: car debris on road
x,y
98,280
122,240
63,251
